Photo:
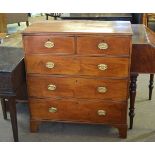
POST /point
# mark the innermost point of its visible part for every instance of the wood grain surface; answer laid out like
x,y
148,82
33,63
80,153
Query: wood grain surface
x,y
74,65
80,27
77,87
117,45
77,110
62,44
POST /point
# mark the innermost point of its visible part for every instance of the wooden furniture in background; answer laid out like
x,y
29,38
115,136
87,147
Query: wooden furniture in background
x,y
78,72
12,83
10,18
17,18
97,16
3,24
54,15
146,18
142,60
134,18
12,43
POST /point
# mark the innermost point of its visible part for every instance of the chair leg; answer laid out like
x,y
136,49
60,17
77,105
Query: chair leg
x,y
151,86
4,109
18,23
27,23
55,18
46,17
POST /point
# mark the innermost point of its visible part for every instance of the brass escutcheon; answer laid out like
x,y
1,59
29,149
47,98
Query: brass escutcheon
x,y
52,109
102,89
51,87
49,44
103,46
50,65
102,67
101,112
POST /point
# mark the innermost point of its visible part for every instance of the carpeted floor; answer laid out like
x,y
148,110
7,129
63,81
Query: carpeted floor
x,y
144,122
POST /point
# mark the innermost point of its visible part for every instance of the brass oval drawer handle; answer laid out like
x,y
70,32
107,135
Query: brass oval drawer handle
x,y
50,65
52,109
103,46
102,89
102,67
51,87
49,44
101,112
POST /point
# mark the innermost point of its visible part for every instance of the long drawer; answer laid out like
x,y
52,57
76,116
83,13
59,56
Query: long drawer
x,y
106,45
78,110
53,86
73,65
49,44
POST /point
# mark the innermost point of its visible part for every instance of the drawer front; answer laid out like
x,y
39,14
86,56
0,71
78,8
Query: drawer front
x,y
101,66
106,45
78,110
47,86
102,89
51,86
49,44
47,64
105,67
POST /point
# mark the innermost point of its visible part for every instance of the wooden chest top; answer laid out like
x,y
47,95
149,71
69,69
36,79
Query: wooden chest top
x,y
81,27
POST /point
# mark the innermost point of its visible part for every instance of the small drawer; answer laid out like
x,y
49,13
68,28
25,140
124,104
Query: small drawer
x,y
106,45
53,86
72,65
49,44
78,110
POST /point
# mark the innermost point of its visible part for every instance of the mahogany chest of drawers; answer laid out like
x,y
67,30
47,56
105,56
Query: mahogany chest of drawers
x,y
78,71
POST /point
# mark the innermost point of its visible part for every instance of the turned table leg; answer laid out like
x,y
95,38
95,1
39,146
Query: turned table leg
x,y
4,109
151,86
133,87
13,117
